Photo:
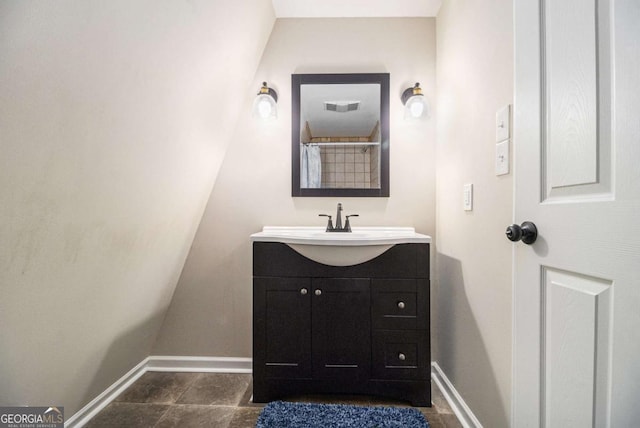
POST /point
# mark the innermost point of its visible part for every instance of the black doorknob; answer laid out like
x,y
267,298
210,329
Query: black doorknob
x,y
527,232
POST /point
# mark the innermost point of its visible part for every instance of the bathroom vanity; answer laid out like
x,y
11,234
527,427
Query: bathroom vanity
x,y
355,329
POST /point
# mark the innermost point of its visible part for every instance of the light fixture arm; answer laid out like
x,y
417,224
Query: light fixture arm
x,y
268,91
410,92
415,104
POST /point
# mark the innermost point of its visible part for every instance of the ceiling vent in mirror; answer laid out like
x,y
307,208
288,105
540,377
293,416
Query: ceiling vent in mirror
x,y
341,106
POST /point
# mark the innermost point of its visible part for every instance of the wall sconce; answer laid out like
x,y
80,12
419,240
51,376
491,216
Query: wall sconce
x,y
265,105
415,105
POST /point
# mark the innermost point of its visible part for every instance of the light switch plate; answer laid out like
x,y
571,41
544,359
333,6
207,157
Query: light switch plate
x,y
503,123
502,158
467,192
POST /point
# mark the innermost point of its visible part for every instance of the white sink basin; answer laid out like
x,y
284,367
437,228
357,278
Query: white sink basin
x,y
340,248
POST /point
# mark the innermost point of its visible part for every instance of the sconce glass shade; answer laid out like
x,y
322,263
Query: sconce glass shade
x,y
265,105
415,105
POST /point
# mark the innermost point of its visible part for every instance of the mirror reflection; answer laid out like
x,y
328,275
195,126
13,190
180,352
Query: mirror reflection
x,y
340,135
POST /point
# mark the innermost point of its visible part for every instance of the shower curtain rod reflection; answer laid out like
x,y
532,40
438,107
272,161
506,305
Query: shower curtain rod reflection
x,y
346,143
365,145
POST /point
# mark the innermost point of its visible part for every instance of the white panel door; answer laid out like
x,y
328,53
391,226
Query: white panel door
x,y
577,177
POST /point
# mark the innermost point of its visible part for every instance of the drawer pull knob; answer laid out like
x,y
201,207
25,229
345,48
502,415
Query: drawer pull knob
x,y
401,356
303,291
318,292
401,305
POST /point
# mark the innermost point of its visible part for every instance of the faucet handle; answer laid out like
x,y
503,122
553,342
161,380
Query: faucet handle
x,y
329,223
347,226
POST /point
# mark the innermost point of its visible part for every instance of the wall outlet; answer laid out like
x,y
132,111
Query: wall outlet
x,y
467,192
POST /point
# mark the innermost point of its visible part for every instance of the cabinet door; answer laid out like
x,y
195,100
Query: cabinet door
x,y
282,327
341,328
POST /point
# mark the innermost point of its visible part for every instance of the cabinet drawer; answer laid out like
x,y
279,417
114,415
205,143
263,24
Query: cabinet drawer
x,y
400,354
399,304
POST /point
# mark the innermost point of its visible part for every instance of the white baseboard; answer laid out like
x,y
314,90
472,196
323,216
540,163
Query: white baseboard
x,y
455,400
85,414
199,364
157,364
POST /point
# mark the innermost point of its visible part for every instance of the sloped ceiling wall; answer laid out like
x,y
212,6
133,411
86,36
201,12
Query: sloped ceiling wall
x,y
114,119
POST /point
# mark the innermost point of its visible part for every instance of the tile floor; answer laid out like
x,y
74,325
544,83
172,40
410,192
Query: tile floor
x,y
169,400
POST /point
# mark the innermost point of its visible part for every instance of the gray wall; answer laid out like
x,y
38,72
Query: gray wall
x,y
210,313
114,119
473,294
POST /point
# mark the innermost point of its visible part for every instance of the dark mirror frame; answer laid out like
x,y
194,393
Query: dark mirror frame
x,y
332,79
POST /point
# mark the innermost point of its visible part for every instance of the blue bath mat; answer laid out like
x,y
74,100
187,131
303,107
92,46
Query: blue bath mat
x,y
280,414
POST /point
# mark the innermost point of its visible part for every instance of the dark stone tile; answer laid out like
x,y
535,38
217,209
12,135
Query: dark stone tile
x,y
245,417
438,402
246,398
435,421
450,421
223,400
158,387
225,389
186,416
128,415
428,410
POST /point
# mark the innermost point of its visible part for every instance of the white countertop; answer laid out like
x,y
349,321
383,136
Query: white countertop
x,y
360,236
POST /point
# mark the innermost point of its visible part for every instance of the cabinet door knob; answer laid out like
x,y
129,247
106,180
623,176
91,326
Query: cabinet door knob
x,y
303,291
401,305
318,292
401,356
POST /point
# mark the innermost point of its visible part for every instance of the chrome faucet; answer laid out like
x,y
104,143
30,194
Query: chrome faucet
x,y
338,227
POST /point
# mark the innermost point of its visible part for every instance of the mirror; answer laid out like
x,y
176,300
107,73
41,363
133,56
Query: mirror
x,y
340,134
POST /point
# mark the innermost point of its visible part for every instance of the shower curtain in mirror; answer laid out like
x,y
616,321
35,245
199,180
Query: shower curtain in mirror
x,y
311,167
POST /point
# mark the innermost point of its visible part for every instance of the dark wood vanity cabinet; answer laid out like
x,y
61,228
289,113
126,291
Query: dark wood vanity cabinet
x,y
360,329
298,315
